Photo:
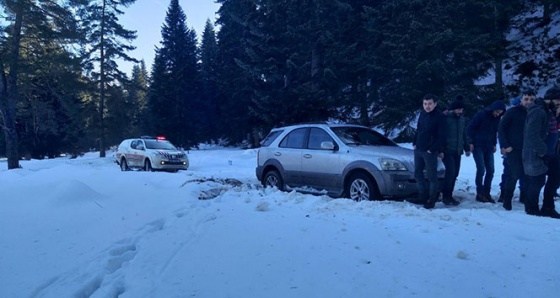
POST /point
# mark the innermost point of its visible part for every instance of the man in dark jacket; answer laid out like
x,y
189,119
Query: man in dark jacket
x,y
428,144
539,154
456,143
482,132
510,134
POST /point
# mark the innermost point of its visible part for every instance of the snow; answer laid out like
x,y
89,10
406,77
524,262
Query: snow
x,y
82,228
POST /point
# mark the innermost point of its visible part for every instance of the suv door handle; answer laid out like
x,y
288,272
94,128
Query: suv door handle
x,y
277,153
307,155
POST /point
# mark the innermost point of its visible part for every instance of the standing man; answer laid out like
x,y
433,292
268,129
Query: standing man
x,y
510,134
482,132
428,144
539,158
456,144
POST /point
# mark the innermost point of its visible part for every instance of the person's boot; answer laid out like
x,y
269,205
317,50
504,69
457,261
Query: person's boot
x,y
489,198
431,203
507,204
501,198
450,201
532,209
550,212
480,197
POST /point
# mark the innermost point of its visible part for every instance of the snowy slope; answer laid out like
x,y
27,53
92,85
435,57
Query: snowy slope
x,y
82,228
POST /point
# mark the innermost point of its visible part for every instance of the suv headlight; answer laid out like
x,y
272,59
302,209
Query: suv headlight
x,y
389,164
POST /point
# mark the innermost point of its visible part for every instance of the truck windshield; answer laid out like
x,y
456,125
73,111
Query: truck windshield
x,y
159,144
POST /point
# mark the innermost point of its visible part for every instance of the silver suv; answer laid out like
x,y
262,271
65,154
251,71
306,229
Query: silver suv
x,y
339,160
149,154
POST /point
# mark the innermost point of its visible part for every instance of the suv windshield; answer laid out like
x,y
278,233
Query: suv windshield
x,y
155,144
352,135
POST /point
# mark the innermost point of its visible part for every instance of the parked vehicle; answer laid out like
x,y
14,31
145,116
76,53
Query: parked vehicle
x,y
150,154
340,160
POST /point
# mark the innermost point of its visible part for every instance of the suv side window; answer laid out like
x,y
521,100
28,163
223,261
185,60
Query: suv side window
x,y
295,139
270,138
316,137
133,144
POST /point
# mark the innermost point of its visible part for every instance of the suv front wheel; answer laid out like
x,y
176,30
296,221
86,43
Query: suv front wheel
x,y
361,188
124,165
148,166
272,179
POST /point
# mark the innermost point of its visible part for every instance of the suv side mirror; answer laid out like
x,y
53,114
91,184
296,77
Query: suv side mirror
x,y
328,145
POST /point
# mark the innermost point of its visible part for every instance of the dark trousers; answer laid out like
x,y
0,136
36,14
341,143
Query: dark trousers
x,y
552,182
452,162
514,172
535,184
484,160
505,176
427,184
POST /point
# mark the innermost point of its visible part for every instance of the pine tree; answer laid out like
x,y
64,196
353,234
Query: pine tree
x,y
208,80
50,21
236,86
291,58
137,98
50,83
103,46
174,91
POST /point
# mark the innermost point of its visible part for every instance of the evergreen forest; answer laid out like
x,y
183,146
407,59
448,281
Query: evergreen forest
x,y
263,63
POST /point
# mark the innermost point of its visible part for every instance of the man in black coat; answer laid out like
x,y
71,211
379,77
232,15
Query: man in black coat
x,y
482,132
510,135
428,145
540,160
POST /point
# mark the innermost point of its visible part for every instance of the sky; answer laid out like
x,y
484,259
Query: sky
x,y
82,228
148,16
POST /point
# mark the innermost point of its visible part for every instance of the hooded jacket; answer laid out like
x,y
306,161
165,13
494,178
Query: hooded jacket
x,y
483,128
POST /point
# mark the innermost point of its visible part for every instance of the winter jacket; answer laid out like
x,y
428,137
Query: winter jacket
x,y
456,140
483,128
430,132
537,125
510,130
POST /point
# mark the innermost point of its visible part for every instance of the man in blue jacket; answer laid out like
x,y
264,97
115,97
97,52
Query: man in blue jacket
x,y
482,132
428,145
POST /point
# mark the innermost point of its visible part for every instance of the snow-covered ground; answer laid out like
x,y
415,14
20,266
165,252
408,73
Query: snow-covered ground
x,y
83,228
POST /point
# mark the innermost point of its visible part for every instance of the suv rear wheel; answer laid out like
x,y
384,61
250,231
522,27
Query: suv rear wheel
x,y
361,188
272,178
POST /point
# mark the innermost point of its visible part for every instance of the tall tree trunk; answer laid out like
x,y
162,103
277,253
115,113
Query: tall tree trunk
x,y
102,86
9,93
